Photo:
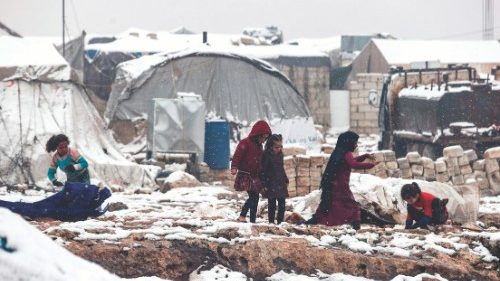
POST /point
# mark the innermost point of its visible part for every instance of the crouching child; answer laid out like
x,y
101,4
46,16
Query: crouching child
x,y
424,208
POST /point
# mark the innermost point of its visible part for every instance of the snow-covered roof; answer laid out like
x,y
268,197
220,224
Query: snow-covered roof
x,y
327,44
138,40
31,58
408,51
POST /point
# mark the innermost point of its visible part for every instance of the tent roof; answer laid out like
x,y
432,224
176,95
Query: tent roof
x,y
408,51
30,59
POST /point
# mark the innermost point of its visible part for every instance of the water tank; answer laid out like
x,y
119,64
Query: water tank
x,y
217,144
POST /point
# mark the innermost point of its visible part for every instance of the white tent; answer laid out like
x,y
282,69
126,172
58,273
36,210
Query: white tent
x,y
37,100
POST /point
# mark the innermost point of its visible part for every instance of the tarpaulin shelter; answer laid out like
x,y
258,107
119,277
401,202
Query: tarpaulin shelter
x,y
39,98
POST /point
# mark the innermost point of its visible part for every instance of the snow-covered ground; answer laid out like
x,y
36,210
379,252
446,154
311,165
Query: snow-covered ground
x,y
201,213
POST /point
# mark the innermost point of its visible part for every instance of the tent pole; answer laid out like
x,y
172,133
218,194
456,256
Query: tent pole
x,y
63,24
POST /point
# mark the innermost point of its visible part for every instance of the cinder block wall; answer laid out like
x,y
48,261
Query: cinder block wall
x,y
364,117
313,83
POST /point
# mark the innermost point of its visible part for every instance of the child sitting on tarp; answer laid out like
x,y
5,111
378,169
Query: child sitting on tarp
x,y
423,208
67,159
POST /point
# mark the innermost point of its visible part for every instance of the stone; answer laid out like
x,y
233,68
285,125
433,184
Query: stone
x,y
465,170
471,155
417,170
440,166
303,160
478,165
391,165
303,181
178,179
494,181
406,174
429,174
403,163
491,165
463,160
453,151
389,155
302,172
442,177
379,156
493,152
427,163
451,161
458,180
413,157
317,160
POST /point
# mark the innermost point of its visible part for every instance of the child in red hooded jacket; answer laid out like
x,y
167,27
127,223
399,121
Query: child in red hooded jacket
x,y
246,165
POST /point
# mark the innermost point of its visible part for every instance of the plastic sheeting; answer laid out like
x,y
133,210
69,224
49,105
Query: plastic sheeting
x,y
31,59
31,112
234,87
178,125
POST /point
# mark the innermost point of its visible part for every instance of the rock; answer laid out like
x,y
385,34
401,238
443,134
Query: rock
x,y
117,206
493,152
178,179
453,151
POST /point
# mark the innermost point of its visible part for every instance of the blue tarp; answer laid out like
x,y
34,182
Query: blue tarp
x,y
76,201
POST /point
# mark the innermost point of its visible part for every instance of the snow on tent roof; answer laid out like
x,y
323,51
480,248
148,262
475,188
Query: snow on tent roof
x,y
235,87
31,59
408,51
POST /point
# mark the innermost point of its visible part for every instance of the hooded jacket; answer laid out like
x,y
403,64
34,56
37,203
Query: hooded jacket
x,y
248,154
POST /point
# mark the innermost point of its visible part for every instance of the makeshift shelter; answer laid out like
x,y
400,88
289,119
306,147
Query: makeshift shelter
x,y
380,54
38,99
234,87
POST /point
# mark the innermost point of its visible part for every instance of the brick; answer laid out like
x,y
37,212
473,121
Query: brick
x,y
406,174
379,156
493,152
391,165
417,170
451,161
442,177
465,170
478,165
463,160
440,166
413,157
427,163
491,165
403,163
458,180
429,174
389,155
471,155
453,151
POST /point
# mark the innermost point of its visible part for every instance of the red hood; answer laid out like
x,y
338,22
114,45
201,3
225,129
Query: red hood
x,y
260,128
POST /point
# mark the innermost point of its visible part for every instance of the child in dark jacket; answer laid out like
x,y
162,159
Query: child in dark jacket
x,y
423,207
274,178
246,165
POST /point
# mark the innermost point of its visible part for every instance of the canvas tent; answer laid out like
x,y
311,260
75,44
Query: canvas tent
x,y
38,99
234,87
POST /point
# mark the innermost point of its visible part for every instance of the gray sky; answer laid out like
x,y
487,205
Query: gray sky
x,y
409,19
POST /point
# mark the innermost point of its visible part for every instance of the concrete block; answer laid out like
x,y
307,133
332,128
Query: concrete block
x,y
427,163
458,180
453,151
389,155
463,160
403,163
465,170
478,165
493,152
440,166
451,161
417,170
471,155
491,165
413,157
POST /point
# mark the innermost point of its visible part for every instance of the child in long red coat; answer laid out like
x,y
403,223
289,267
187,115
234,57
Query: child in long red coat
x,y
246,165
274,178
423,207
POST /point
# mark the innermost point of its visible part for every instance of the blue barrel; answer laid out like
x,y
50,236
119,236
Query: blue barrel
x,y
217,144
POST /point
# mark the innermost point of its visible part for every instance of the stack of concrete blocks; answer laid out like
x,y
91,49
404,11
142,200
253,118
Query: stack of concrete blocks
x,y
327,148
481,177
404,168
303,175
441,170
466,169
416,167
222,176
457,163
429,169
291,173
492,168
316,170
